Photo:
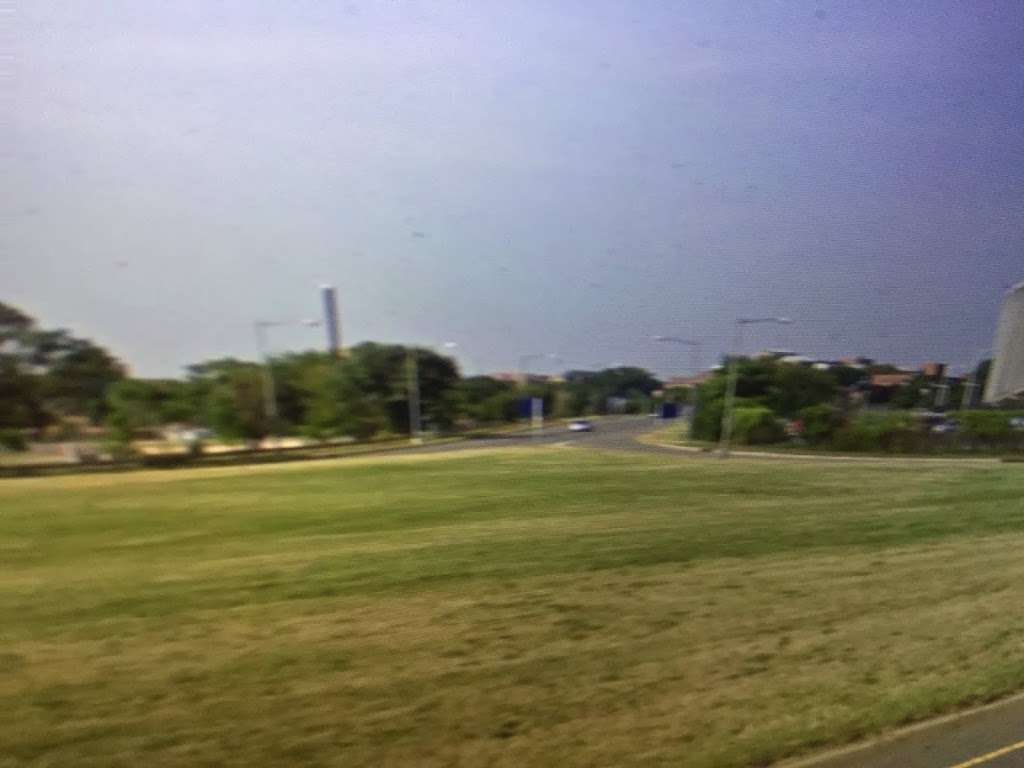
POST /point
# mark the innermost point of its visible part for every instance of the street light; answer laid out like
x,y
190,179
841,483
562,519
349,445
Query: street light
x,y
734,372
413,387
269,395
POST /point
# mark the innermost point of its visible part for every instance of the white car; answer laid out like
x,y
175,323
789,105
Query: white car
x,y
580,425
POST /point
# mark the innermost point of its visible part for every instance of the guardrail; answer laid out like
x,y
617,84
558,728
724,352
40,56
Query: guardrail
x,y
240,456
243,456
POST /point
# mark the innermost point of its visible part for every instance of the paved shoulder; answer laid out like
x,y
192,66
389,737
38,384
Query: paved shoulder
x,y
989,737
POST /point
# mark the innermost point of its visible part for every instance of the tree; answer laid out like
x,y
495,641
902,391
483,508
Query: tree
x,y
915,394
140,403
21,402
590,391
478,396
783,388
232,397
131,405
14,325
21,397
796,386
336,402
78,373
50,372
476,389
382,374
847,375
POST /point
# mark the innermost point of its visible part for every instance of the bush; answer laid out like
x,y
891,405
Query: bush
x,y
13,440
820,422
119,450
707,420
888,432
985,426
757,425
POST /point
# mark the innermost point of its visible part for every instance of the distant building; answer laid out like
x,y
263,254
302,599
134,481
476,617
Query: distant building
x,y
857,362
933,371
885,385
1006,379
891,380
688,381
515,377
775,354
794,360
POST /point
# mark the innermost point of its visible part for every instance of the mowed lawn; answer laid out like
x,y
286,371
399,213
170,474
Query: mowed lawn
x,y
557,607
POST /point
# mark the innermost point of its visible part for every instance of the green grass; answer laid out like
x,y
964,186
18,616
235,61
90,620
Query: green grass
x,y
554,607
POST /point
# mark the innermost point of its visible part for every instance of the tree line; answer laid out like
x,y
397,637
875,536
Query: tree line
x,y
49,377
778,402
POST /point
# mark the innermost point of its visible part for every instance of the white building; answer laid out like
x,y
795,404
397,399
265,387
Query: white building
x,y
1006,379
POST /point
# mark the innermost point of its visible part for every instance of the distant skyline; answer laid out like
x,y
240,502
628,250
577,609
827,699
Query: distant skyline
x,y
517,177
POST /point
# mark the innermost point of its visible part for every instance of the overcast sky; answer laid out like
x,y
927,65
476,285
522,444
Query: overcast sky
x,y
516,176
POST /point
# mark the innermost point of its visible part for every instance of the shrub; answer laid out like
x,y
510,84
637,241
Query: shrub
x,y
13,440
757,425
820,422
707,420
985,426
887,432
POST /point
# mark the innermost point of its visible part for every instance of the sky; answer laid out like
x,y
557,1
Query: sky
x,y
562,176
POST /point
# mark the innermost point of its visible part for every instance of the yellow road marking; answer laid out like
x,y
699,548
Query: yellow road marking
x,y
990,756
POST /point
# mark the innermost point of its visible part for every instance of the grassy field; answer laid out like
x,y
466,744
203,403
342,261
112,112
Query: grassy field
x,y
555,607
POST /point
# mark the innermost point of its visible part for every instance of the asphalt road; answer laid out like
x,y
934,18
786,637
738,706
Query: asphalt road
x,y
610,433
991,737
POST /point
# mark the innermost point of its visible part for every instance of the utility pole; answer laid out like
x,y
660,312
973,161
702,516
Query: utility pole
x,y
730,394
269,390
269,395
728,411
413,384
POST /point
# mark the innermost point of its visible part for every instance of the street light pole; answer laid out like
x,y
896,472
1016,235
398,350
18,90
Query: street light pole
x,y
269,395
413,384
728,410
269,389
